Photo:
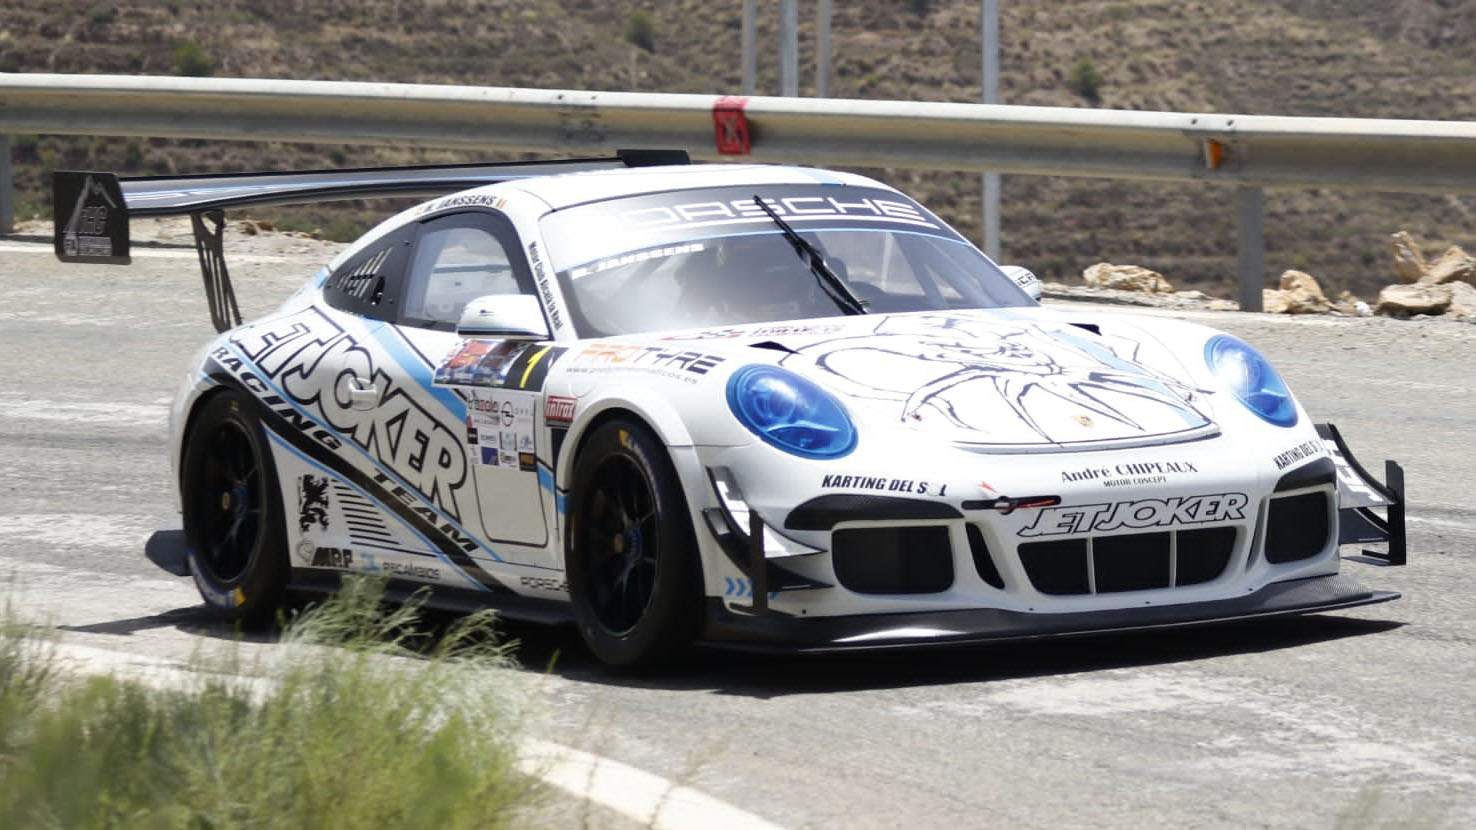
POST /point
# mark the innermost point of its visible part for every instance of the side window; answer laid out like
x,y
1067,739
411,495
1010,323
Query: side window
x,y
457,259
369,283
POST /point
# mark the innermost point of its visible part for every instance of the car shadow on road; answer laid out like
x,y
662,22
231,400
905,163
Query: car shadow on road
x,y
196,620
776,675
180,618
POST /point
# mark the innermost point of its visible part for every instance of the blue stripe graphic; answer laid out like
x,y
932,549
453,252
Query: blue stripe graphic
x,y
415,368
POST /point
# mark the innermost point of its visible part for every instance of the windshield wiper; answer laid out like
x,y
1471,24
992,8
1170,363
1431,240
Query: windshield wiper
x,y
810,256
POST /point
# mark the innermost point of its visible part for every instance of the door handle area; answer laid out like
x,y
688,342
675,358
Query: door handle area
x,y
362,394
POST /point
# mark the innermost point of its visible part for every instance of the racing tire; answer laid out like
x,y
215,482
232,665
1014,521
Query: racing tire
x,y
630,553
233,512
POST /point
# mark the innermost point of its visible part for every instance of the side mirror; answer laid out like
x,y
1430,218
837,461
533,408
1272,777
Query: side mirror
x,y
504,317
1024,278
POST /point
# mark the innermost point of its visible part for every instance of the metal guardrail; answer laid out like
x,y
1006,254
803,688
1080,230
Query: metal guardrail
x,y
1244,151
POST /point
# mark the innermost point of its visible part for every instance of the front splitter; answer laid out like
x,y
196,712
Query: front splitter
x,y
773,632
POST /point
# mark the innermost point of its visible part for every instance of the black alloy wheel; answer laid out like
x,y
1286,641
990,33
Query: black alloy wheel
x,y
232,512
620,529
631,555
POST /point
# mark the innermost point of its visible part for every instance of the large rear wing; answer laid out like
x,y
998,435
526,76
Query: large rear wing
x,y
91,210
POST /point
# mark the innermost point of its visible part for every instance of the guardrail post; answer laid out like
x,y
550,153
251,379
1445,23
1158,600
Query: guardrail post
x,y
7,190
1250,209
822,50
750,47
989,58
788,48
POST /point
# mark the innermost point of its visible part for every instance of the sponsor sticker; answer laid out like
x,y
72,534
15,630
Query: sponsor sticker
x,y
544,583
631,259
312,502
503,423
349,559
545,290
883,484
674,363
558,409
796,208
1136,515
324,557
1130,473
410,570
498,365
1304,450
758,331
470,200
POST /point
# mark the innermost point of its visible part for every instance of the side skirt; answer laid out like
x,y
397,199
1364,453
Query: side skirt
x,y
319,583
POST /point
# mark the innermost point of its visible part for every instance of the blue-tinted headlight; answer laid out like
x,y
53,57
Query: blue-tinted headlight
x,y
790,413
1250,378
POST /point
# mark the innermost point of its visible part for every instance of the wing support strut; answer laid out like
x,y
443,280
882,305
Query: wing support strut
x,y
221,297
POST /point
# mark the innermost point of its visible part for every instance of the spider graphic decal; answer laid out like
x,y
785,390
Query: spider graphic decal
x,y
1016,383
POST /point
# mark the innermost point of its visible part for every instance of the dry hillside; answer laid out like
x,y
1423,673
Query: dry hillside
x,y
1377,58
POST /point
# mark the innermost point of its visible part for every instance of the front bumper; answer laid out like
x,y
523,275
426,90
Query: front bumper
x,y
770,632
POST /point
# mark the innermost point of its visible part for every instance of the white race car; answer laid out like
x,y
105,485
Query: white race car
x,y
752,406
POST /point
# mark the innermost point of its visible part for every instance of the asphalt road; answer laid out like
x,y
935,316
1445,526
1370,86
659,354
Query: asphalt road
x,y
1364,718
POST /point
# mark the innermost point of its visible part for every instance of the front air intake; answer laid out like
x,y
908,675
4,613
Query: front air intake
x,y
1297,527
893,560
1133,562
983,559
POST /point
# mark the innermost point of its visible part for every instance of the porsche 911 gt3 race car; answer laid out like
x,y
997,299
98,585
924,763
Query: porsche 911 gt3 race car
x,y
755,406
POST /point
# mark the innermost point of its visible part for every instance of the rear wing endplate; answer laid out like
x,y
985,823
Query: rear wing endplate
x,y
1359,497
91,210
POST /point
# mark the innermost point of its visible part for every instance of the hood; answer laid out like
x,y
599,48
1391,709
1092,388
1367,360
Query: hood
x,y
991,380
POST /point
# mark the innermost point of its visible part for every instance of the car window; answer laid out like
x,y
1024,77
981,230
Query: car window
x,y
712,256
458,259
895,269
369,283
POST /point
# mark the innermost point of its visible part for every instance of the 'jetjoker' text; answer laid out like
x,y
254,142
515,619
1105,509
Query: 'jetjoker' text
x,y
314,362
1103,518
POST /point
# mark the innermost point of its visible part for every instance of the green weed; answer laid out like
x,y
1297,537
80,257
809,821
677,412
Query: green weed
x,y
1084,80
640,30
367,719
191,60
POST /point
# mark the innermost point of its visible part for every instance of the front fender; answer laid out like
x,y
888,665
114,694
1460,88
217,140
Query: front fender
x,y
647,405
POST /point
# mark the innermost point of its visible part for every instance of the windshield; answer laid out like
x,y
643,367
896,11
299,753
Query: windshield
x,y
690,258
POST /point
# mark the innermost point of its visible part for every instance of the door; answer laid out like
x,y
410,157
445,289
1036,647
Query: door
x,y
459,258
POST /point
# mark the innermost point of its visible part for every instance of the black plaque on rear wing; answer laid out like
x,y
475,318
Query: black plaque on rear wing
x,y
91,209
90,218
1360,496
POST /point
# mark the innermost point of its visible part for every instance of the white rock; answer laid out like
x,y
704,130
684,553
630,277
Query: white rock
x,y
1462,301
1452,266
1406,300
1126,278
1409,263
1299,294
